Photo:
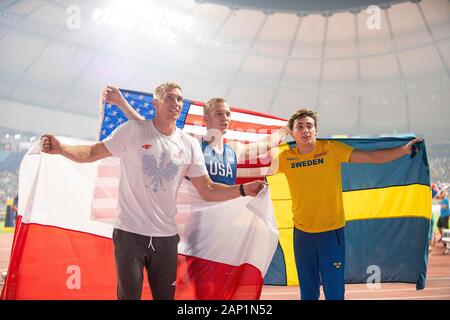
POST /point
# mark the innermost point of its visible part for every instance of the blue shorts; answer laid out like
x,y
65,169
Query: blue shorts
x,y
320,259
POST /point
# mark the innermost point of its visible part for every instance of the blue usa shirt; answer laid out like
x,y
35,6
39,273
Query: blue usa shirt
x,y
222,167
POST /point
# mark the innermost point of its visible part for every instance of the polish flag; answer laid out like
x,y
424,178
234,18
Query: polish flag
x,y
62,246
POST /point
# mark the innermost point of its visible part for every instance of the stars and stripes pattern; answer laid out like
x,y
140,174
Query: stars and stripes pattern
x,y
142,102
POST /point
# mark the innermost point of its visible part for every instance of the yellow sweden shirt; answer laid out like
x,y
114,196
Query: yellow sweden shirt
x,y
315,184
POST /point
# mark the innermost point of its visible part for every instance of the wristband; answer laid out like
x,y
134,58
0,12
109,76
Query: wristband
x,y
241,190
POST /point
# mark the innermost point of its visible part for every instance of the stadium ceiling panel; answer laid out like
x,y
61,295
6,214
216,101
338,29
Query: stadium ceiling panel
x,y
301,6
366,69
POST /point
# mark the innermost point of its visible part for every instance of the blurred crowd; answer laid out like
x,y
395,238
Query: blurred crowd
x,y
9,186
439,169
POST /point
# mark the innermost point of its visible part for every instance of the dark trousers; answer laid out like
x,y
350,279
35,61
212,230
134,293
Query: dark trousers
x,y
320,259
158,255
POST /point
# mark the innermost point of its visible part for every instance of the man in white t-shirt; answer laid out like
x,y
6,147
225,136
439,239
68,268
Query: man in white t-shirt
x,y
154,157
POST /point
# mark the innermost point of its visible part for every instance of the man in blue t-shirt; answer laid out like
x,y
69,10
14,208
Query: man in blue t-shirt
x,y
444,215
221,158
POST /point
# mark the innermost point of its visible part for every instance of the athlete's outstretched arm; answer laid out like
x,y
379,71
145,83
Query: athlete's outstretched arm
x,y
78,153
212,191
255,149
382,156
112,95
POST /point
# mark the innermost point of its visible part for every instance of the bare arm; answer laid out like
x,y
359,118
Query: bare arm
x,y
382,156
255,149
211,191
112,95
441,193
78,153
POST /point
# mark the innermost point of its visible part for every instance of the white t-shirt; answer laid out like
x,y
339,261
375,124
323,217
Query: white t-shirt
x,y
152,166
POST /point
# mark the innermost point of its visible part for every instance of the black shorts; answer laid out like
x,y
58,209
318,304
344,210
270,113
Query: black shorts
x,y
443,222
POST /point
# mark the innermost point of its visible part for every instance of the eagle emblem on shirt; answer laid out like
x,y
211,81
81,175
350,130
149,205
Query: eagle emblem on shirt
x,y
164,170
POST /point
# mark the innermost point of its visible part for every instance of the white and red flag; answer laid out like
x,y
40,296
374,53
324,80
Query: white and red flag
x,y
62,246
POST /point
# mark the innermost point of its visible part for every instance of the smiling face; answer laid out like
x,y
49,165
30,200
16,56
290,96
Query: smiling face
x,y
168,105
304,131
217,115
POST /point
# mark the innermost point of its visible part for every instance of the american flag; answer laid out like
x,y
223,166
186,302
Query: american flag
x,y
142,102
246,126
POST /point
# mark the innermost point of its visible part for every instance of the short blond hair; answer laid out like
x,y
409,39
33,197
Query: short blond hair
x,y
211,103
163,88
301,113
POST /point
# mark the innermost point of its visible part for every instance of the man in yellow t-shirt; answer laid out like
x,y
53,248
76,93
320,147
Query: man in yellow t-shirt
x,y
313,172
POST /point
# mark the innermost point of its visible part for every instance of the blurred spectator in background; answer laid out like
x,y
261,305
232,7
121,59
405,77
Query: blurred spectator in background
x,y
444,215
9,217
431,234
15,208
9,181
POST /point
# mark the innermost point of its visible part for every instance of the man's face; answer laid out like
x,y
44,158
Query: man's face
x,y
169,107
304,131
218,117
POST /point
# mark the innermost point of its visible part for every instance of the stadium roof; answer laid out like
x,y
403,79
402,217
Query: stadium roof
x,y
367,70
